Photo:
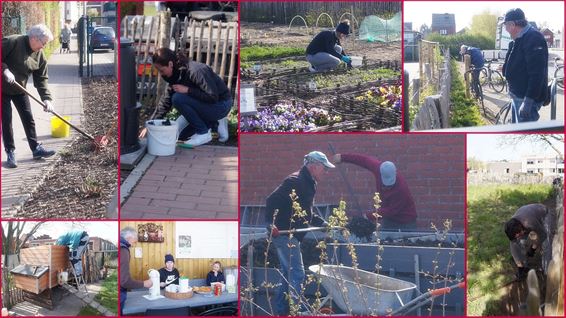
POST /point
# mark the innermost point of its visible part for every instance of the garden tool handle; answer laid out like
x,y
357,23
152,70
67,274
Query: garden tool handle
x,y
308,229
53,112
348,185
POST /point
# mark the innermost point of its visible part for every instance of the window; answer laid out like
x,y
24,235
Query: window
x,y
530,162
530,171
560,170
539,161
507,170
540,170
443,31
553,170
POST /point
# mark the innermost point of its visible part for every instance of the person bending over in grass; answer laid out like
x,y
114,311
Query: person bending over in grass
x,y
527,233
325,51
201,96
397,209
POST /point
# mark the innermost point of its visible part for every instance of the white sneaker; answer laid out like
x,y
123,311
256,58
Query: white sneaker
x,y
312,69
223,134
197,140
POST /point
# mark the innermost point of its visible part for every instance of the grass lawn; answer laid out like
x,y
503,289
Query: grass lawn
x,y
108,297
489,259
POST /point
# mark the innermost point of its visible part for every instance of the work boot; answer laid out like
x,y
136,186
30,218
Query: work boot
x,y
40,152
11,159
198,139
522,273
223,134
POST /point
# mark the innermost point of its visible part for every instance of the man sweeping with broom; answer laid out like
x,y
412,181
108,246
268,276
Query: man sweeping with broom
x,y
22,56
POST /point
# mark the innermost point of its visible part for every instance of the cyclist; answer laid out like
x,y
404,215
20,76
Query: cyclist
x,y
477,61
526,67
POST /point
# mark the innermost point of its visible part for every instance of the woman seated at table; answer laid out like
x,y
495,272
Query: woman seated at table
x,y
169,274
215,275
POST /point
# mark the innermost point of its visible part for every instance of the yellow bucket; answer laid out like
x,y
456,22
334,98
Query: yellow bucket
x,y
59,129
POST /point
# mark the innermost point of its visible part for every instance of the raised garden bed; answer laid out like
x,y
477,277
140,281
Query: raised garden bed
x,y
82,180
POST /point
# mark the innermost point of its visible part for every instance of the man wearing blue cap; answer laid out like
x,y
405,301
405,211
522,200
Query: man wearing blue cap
x,y
477,60
397,209
325,51
526,67
303,183
77,241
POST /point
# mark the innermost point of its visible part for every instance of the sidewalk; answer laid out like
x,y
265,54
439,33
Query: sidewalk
x,y
65,87
200,183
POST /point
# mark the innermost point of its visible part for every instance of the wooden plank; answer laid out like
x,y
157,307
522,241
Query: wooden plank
x,y
199,45
209,43
183,41
145,58
217,46
224,52
233,57
192,41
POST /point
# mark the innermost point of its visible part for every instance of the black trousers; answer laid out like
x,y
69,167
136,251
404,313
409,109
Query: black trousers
x,y
23,107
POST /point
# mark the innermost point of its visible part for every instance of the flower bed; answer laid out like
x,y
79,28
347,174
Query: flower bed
x,y
384,95
287,117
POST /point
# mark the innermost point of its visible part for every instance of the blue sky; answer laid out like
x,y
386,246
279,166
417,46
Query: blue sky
x,y
551,12
107,230
488,147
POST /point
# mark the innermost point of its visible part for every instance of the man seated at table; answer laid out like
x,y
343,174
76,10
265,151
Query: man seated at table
x,y
169,274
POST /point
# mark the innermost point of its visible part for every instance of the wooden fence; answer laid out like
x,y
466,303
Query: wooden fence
x,y
435,112
10,294
282,12
211,42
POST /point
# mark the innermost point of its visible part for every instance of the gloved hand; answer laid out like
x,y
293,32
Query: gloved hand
x,y
526,108
48,106
346,59
274,231
10,78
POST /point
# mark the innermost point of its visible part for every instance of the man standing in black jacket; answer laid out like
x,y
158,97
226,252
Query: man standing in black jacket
x,y
281,215
325,51
22,56
526,67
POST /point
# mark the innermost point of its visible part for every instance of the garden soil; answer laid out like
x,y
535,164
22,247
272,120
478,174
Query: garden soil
x,y
265,33
83,180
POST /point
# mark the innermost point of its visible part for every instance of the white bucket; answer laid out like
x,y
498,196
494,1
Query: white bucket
x,y
161,140
357,60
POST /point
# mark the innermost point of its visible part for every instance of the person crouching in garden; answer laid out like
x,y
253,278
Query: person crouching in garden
x,y
325,51
201,97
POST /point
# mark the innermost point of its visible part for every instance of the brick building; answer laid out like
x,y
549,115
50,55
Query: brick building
x,y
432,164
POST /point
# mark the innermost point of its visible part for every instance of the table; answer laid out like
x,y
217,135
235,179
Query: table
x,y
136,303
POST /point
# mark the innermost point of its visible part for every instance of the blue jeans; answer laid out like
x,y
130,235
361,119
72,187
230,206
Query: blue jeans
x,y
200,115
293,270
516,104
323,61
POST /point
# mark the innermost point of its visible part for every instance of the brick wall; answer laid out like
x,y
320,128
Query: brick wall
x,y
432,164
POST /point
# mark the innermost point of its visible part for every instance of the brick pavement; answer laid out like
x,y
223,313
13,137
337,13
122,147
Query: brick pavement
x,y
199,183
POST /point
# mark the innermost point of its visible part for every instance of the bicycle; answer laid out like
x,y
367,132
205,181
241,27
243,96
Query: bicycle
x,y
503,116
559,72
475,87
492,78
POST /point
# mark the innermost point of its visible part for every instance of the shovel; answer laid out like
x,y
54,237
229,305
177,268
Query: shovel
x,y
98,142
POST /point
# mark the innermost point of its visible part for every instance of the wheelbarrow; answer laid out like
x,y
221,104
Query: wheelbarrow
x,y
356,291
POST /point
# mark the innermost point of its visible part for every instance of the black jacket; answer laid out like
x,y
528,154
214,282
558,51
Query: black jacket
x,y
18,57
526,66
325,42
305,188
532,218
203,84
210,278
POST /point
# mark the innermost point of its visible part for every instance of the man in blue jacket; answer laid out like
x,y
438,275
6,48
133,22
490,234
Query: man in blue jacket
x,y
526,67
325,51
77,241
477,61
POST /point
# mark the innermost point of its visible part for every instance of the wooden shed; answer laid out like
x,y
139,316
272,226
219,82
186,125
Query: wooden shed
x,y
34,279
54,257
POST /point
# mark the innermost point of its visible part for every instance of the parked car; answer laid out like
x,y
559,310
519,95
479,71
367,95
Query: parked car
x,y
102,38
